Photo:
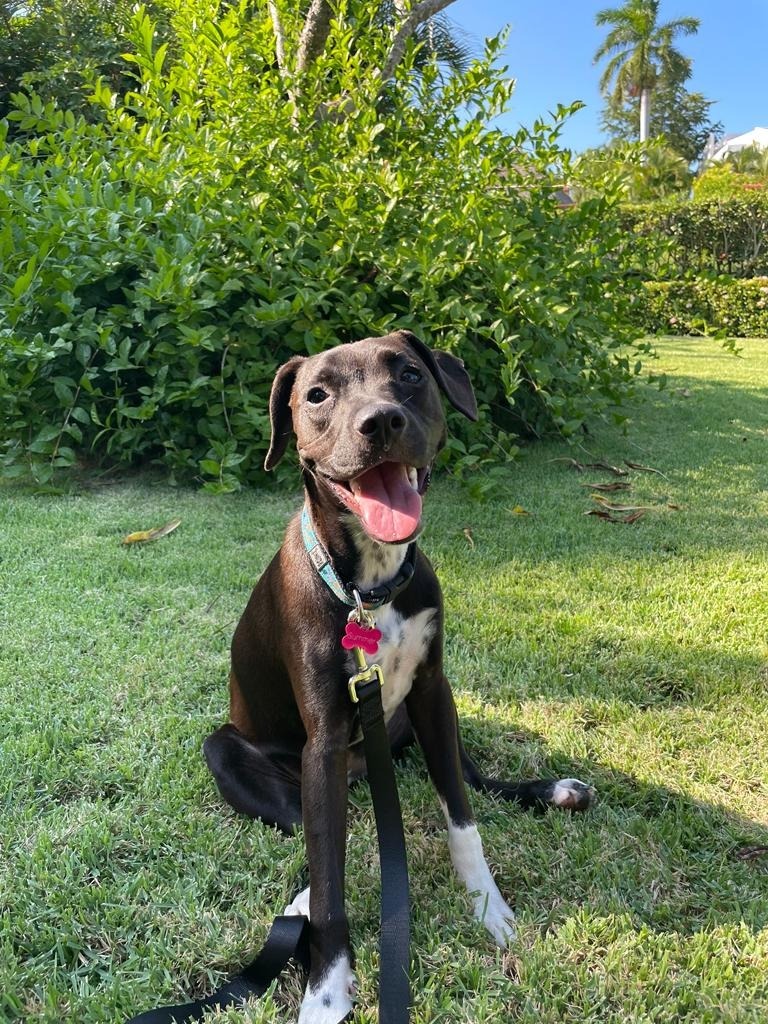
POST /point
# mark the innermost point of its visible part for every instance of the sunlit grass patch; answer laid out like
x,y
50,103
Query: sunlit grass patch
x,y
632,656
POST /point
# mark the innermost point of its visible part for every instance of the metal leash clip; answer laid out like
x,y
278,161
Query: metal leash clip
x,y
360,614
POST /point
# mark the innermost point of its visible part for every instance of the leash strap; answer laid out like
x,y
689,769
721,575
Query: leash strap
x,y
289,936
394,939
288,939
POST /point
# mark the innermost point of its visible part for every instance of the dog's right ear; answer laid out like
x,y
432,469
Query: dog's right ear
x,y
280,415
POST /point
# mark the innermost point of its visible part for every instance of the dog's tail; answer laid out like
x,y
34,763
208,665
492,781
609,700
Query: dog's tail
x,y
536,793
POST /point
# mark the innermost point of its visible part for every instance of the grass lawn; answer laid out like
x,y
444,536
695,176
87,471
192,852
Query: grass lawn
x,y
631,656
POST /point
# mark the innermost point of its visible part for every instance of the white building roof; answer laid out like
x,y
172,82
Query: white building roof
x,y
735,143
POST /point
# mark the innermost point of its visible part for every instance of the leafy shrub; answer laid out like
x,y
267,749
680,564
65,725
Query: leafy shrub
x,y
736,308
723,181
159,263
643,173
724,236
55,45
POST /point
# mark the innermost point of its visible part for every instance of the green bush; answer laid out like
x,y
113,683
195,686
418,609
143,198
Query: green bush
x,y
722,236
736,308
723,181
643,173
55,45
158,264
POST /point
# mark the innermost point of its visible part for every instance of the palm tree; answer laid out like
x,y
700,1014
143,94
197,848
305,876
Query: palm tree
x,y
663,173
750,160
640,51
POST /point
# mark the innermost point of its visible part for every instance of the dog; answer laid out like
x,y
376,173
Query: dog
x,y
369,422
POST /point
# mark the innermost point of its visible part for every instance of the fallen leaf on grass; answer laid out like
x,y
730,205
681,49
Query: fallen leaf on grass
x,y
518,510
144,536
674,507
602,513
751,852
617,485
616,470
643,469
581,466
616,506
468,534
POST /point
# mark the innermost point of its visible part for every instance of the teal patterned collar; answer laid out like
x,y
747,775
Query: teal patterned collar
x,y
321,560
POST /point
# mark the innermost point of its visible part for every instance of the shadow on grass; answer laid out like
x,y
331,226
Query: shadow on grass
x,y
671,862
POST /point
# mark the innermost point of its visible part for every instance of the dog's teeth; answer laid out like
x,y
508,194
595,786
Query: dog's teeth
x,y
413,477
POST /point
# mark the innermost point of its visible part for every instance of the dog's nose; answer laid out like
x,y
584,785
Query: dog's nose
x,y
381,423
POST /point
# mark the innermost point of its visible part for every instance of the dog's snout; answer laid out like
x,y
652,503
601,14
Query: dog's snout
x,y
381,423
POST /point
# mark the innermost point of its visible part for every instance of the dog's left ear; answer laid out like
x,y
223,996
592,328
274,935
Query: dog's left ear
x,y
280,411
453,380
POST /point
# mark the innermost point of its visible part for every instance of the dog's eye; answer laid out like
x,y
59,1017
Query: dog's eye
x,y
411,375
316,396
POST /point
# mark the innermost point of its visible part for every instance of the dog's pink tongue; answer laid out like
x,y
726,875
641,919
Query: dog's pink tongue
x,y
389,507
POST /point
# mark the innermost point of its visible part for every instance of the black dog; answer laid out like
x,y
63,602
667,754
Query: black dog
x,y
368,422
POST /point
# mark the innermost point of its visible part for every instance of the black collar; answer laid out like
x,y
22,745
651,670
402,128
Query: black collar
x,y
386,592
345,592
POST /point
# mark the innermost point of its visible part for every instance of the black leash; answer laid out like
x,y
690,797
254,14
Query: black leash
x,y
288,939
289,935
395,934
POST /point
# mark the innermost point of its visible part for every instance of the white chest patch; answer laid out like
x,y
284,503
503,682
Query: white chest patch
x,y
377,562
402,648
404,642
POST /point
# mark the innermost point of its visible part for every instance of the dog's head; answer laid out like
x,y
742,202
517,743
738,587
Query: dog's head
x,y
369,422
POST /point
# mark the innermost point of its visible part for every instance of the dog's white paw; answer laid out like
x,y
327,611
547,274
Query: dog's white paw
x,y
492,910
331,1000
300,905
573,795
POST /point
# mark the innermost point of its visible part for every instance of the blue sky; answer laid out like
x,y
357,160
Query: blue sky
x,y
551,45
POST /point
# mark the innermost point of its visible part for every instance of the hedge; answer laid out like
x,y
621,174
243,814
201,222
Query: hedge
x,y
722,236
735,307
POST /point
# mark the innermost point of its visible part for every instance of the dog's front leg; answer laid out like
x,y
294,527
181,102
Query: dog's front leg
x,y
433,715
329,993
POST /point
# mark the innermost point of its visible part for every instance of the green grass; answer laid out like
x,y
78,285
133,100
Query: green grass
x,y
630,656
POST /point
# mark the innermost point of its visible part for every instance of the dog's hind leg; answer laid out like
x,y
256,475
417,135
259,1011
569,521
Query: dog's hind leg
x,y
570,794
256,781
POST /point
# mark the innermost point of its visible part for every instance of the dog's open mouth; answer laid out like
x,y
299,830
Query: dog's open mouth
x,y
386,499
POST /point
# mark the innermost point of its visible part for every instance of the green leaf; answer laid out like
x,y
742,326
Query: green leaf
x,y
43,441
63,391
22,283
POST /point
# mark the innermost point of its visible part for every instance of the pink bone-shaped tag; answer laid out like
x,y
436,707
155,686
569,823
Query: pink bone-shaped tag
x,y
365,637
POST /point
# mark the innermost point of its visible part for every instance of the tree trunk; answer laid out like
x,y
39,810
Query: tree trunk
x,y
316,29
418,15
645,113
